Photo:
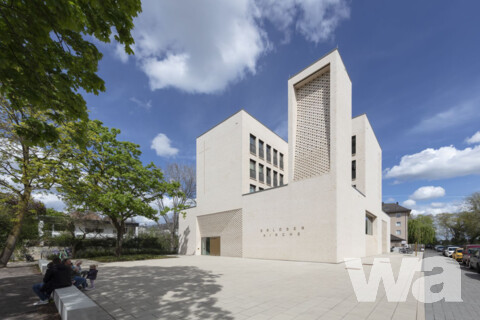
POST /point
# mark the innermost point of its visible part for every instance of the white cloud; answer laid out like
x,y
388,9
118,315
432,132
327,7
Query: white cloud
x,y
439,207
428,192
162,146
316,20
452,117
120,54
432,164
474,139
50,200
203,46
143,104
390,200
409,203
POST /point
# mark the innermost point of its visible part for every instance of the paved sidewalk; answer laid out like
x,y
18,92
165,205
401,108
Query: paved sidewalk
x,y
202,287
17,296
469,309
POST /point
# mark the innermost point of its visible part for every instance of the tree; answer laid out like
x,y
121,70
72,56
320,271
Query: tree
x,y
46,56
29,233
186,177
421,229
108,177
74,227
24,168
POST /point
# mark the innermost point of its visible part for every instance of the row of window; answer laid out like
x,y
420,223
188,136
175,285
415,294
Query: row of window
x,y
354,162
277,156
265,174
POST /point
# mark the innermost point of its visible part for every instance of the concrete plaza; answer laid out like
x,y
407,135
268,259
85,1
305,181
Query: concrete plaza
x,y
204,287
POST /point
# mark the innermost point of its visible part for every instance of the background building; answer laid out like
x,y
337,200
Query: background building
x,y
398,223
316,198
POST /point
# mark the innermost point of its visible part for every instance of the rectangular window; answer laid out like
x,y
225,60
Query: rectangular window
x,y
354,170
368,225
281,179
354,145
252,188
269,176
398,232
275,179
253,142
260,189
275,157
253,173
398,224
281,161
399,215
261,153
269,153
260,172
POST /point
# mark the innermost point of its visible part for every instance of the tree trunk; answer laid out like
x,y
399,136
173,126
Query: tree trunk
x,y
120,231
15,233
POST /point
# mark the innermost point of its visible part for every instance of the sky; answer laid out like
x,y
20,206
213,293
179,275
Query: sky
x,y
414,67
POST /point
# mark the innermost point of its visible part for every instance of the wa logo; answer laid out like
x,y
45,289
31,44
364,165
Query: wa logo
x,y
446,280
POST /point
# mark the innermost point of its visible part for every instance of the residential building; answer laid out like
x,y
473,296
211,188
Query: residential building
x,y
398,223
311,199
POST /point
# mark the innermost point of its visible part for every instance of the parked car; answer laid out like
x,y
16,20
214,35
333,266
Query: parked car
x,y
439,248
458,254
449,251
467,250
475,260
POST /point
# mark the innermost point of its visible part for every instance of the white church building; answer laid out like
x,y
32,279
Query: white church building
x,y
315,198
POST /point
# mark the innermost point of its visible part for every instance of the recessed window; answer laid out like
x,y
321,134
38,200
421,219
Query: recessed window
x,y
253,173
398,232
261,152
354,170
269,153
354,145
368,224
281,161
269,176
260,189
281,179
253,142
398,215
398,224
275,178
252,188
275,157
260,172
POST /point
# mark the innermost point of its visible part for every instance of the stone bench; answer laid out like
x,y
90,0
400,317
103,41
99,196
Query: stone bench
x,y
42,265
72,304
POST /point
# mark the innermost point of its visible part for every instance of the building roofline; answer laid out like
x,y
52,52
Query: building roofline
x,y
311,64
239,111
368,120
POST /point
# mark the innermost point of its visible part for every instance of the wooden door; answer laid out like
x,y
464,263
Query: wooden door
x,y
215,246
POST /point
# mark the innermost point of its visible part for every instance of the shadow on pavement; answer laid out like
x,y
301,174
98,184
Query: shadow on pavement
x,y
17,296
179,292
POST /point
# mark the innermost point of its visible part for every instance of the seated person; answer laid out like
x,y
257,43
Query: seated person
x,y
57,276
77,280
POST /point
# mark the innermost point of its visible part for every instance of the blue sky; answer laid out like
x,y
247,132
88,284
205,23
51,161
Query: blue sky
x,y
414,67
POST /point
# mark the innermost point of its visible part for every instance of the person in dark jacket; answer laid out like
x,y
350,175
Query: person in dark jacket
x,y
92,275
57,276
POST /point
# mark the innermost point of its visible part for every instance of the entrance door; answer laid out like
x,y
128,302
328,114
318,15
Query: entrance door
x,y
211,246
215,246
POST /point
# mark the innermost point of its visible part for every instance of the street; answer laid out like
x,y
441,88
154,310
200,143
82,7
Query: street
x,y
468,309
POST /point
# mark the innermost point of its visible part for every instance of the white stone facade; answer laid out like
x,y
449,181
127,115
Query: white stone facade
x,y
321,212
